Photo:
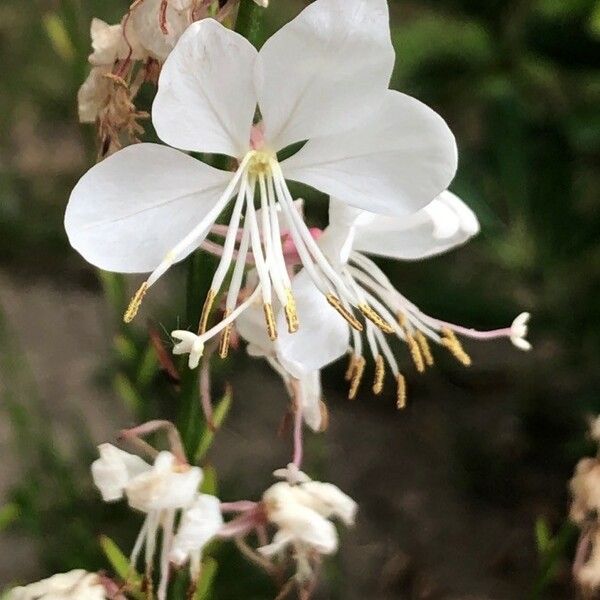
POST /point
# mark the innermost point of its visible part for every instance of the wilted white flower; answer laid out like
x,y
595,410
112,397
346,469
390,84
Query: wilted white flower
x,y
161,491
323,78
74,585
301,511
352,234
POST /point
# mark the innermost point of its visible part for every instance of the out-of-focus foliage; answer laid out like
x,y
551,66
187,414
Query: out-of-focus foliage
x,y
520,86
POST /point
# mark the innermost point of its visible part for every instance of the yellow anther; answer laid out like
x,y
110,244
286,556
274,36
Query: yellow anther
x,y
424,347
400,392
375,318
359,369
402,320
351,367
225,337
270,320
337,304
135,303
451,342
379,374
415,353
208,304
291,315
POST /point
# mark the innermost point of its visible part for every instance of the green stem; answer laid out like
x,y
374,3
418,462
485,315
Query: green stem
x,y
249,20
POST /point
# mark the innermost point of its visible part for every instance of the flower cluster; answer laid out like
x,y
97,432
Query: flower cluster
x,y
312,106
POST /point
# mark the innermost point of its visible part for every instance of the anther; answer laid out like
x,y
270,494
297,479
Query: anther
x,y
351,366
424,347
270,320
415,353
400,392
208,304
135,303
359,369
291,315
375,318
337,304
451,342
379,375
225,337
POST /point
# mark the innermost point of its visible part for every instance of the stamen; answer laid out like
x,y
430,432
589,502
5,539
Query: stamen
x,y
270,319
291,314
375,318
450,341
136,302
351,366
400,392
424,347
208,304
225,337
359,369
379,375
415,353
337,304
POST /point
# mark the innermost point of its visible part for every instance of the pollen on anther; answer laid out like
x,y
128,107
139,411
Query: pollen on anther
x,y
415,353
379,375
376,318
351,366
225,338
136,302
451,342
350,318
270,320
291,314
208,304
400,392
359,369
424,347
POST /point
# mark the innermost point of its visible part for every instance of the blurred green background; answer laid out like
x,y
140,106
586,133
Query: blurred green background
x,y
464,495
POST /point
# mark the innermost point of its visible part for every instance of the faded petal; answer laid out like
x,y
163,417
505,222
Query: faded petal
x,y
323,335
166,486
206,99
329,501
310,399
394,164
199,524
324,71
74,585
128,211
93,95
114,470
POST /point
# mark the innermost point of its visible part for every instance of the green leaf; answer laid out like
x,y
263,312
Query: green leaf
x,y
126,390
543,537
147,368
59,37
208,435
121,566
210,483
209,570
9,513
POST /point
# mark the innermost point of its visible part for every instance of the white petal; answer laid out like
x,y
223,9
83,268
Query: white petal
x,y
322,337
164,487
145,20
114,470
199,524
395,164
329,501
325,70
443,224
310,400
129,210
206,99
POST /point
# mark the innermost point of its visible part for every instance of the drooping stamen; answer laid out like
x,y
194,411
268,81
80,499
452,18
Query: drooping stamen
x,y
379,375
225,337
424,347
136,302
206,308
450,341
359,369
350,318
375,318
351,366
270,320
400,391
415,353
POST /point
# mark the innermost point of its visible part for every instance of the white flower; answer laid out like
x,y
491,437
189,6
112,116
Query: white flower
x,y
74,585
444,224
199,524
262,3
519,331
161,490
323,78
301,513
307,389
